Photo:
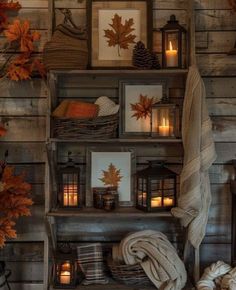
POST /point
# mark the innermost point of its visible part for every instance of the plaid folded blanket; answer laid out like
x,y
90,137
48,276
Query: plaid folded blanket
x,y
90,260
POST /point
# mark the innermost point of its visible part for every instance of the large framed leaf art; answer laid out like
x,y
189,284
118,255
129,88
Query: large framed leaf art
x,y
114,28
136,100
112,167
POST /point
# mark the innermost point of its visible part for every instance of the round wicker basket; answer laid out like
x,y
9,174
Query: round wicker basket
x,y
128,274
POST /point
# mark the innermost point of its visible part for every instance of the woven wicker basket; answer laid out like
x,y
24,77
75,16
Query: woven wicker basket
x,y
97,128
129,274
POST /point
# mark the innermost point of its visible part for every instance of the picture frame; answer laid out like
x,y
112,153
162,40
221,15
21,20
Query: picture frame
x,y
119,160
133,122
105,48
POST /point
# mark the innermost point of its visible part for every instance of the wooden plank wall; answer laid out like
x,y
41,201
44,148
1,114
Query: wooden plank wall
x,y
23,110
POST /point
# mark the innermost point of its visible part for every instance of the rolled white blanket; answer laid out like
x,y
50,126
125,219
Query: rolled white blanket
x,y
157,257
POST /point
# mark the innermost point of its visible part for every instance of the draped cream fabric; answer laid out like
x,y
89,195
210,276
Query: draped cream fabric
x,y
199,153
157,257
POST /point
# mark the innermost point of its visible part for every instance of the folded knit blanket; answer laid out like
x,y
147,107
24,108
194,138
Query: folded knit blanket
x,y
157,257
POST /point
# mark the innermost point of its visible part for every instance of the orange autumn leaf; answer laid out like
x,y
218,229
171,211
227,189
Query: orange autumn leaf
x,y
14,201
6,230
143,108
19,68
120,34
20,32
112,176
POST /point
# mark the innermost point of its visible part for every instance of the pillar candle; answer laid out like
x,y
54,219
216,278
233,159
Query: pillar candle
x,y
171,57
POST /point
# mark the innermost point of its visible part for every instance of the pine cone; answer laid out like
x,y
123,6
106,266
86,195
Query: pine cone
x,y
142,58
155,61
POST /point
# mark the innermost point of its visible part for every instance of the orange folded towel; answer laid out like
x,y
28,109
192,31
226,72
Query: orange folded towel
x,y
81,110
61,109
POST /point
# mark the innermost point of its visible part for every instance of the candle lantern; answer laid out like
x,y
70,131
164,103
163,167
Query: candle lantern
x,y
69,195
65,269
174,45
165,119
156,188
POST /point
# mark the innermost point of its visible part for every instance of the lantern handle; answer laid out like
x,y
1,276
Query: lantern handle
x,y
159,163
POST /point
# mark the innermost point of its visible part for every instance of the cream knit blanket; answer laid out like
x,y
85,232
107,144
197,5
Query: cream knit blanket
x,y
199,154
157,257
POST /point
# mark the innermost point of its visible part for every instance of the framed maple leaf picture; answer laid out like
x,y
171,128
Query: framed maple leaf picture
x,y
114,167
114,28
136,100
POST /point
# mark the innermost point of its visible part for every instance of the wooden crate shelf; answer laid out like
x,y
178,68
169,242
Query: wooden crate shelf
x,y
119,140
125,212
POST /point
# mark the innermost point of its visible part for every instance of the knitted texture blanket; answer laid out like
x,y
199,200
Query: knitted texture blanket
x,y
157,257
199,154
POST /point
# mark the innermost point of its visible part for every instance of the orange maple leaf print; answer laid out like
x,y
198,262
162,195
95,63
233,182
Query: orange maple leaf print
x,y
143,108
111,176
120,34
20,33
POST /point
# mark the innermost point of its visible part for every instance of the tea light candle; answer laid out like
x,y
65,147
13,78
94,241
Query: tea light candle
x,y
168,201
65,277
164,128
171,57
156,202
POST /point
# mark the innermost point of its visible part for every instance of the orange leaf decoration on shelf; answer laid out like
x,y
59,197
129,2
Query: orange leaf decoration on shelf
x,y
20,32
20,68
14,201
112,176
120,34
143,108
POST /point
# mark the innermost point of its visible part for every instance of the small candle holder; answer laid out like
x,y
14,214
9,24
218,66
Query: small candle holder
x,y
174,45
64,269
98,194
156,187
165,120
109,202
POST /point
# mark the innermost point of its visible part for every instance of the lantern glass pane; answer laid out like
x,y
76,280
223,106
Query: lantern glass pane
x,y
142,192
172,48
70,189
163,121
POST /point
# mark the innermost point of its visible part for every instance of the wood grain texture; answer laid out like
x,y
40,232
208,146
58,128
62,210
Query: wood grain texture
x,y
216,88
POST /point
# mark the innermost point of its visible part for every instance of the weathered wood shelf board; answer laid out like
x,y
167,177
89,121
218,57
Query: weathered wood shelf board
x,y
122,72
111,286
119,140
126,212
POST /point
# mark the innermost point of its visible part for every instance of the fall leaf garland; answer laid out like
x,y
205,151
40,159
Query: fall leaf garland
x,y
111,176
6,6
143,108
14,201
120,34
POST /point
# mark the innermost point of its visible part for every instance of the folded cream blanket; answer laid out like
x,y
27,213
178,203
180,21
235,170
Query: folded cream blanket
x,y
157,257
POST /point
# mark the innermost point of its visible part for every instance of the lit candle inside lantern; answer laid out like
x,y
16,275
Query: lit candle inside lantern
x,y
168,201
65,277
156,202
65,266
70,195
171,57
164,128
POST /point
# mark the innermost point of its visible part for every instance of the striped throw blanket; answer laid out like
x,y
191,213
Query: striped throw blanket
x,y
90,259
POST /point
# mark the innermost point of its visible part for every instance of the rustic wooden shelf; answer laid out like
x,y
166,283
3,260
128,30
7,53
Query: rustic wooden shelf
x,y
126,212
111,286
119,140
123,72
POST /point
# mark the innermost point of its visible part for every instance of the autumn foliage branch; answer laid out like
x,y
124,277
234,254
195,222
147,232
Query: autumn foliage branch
x,y
14,201
19,38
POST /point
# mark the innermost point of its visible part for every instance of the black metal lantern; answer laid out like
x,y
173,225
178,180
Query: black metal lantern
x,y
69,194
65,269
156,188
165,120
174,44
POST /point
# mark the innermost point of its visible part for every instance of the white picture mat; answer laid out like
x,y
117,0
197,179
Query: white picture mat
x,y
105,17
121,160
132,96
